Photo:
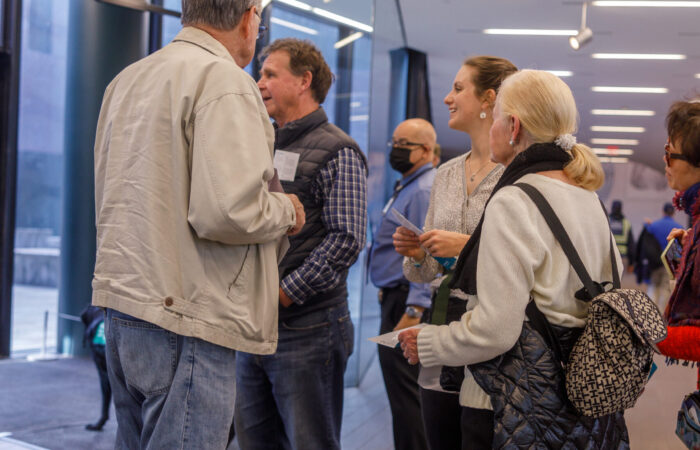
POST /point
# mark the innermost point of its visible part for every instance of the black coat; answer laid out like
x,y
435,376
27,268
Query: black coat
x,y
528,396
648,256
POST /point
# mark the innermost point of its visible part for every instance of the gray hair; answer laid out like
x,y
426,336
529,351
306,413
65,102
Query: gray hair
x,y
219,14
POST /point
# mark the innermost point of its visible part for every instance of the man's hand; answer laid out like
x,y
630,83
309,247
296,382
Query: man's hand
x,y
409,344
406,243
284,299
300,215
443,243
406,322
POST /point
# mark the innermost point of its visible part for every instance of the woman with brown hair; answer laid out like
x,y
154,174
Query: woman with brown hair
x,y
459,193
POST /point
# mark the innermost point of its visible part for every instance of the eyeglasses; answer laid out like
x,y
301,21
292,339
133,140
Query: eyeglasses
x,y
261,28
401,143
668,155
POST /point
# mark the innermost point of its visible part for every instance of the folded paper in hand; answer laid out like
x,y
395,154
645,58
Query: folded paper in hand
x,y
391,339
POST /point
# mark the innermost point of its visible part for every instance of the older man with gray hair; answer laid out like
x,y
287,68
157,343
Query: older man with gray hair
x,y
188,230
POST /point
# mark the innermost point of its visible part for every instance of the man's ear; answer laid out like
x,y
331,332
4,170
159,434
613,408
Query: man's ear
x,y
306,80
245,25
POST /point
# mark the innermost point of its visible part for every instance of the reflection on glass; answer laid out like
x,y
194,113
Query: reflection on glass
x,y
39,172
171,24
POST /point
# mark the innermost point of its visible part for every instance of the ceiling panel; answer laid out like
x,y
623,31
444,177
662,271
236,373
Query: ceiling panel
x,y
450,30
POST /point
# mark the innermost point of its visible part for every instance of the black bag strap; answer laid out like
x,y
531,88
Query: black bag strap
x,y
592,289
540,323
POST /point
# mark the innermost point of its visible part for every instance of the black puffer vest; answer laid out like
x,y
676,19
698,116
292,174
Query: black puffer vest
x,y
316,141
528,395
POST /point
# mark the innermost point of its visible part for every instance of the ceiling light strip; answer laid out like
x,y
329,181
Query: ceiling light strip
x,y
264,4
297,4
341,19
608,159
293,26
561,73
644,56
648,4
607,129
634,90
345,41
529,32
328,15
613,151
622,112
606,141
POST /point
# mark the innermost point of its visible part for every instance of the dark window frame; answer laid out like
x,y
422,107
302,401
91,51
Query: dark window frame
x,y
11,16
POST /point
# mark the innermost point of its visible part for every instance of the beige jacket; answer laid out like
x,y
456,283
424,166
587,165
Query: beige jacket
x,y
187,231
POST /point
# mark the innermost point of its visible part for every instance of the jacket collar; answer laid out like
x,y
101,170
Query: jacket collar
x,y
292,131
204,40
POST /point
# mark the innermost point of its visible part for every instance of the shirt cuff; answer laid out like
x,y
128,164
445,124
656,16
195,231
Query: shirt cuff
x,y
425,346
296,289
419,295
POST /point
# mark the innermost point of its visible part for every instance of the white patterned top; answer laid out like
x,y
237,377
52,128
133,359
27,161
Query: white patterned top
x,y
449,192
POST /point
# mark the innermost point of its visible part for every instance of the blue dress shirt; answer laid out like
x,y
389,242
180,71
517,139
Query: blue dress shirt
x,y
385,264
660,229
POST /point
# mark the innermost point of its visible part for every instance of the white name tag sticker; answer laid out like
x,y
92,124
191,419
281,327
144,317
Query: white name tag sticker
x,y
286,164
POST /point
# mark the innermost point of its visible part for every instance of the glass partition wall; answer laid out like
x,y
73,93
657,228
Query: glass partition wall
x,y
39,174
344,32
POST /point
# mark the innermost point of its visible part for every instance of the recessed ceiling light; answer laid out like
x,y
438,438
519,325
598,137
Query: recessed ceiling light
x,y
607,129
345,41
697,75
622,112
606,141
634,90
654,4
613,151
293,26
529,32
560,73
663,56
607,159
296,4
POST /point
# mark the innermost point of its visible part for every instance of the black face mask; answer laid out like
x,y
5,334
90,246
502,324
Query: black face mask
x,y
400,159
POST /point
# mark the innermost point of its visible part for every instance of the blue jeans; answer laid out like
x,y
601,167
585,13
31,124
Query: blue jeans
x,y
294,398
170,391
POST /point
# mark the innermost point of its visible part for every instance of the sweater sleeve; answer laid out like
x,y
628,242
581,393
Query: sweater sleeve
x,y
509,253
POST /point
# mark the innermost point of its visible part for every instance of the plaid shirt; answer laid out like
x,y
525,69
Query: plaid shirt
x,y
341,186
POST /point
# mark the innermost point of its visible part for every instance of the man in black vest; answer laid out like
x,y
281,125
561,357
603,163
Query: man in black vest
x,y
294,398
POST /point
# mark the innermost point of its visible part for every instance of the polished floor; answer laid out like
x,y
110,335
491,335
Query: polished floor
x,y
45,405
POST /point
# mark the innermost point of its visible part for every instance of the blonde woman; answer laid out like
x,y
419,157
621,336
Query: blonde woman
x,y
513,257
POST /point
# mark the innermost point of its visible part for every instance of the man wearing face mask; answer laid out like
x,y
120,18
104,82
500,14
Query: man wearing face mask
x,y
402,302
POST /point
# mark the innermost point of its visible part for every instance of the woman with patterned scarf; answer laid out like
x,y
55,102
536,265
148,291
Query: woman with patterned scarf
x,y
682,160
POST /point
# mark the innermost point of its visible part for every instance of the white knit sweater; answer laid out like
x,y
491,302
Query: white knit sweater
x,y
519,257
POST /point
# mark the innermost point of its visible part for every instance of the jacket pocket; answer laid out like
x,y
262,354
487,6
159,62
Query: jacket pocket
x,y
241,273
